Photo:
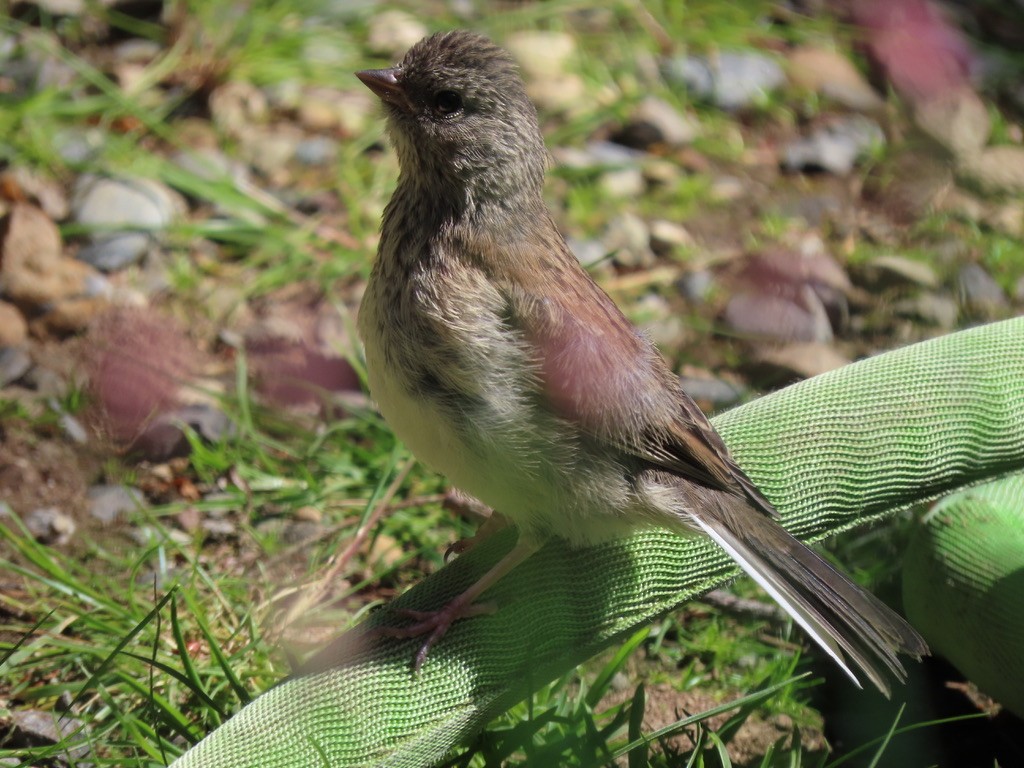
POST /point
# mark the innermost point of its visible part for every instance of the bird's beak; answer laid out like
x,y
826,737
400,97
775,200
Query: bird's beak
x,y
387,84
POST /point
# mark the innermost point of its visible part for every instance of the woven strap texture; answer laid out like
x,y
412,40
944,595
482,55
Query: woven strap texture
x,y
963,585
852,445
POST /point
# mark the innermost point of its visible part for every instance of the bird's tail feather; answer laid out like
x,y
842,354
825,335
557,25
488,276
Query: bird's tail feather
x,y
847,621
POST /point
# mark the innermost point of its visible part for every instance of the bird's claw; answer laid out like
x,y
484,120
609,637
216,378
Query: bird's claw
x,y
433,624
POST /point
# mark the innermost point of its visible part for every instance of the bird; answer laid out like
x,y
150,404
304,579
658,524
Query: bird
x,y
502,364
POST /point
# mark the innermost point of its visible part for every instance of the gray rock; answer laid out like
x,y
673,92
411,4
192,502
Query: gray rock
x,y
50,525
656,122
588,252
13,326
598,155
815,209
36,726
14,363
979,293
623,183
932,308
696,285
108,503
668,236
834,76
834,148
210,164
655,318
47,382
629,238
725,189
542,54
393,32
716,392
893,271
117,208
164,438
316,150
76,146
801,317
802,360
732,79
1018,290
73,428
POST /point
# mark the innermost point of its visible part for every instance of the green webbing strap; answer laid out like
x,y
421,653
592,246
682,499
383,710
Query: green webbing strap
x,y
963,585
852,445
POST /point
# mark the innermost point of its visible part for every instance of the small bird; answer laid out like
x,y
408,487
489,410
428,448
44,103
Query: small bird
x,y
499,361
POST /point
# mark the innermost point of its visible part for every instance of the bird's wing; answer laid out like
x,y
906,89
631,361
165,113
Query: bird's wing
x,y
598,371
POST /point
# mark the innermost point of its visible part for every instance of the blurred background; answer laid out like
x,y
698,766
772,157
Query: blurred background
x,y
191,193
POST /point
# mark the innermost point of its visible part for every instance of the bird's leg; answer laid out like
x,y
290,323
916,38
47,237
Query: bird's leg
x,y
494,522
434,624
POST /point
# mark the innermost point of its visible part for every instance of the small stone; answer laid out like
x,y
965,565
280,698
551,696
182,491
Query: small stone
x,y
77,146
598,155
1006,217
329,109
15,362
62,7
39,727
668,237
709,391
799,317
541,54
725,189
834,148
316,151
108,503
392,33
628,238
164,438
934,309
385,551
802,361
656,122
269,149
696,285
588,252
309,514
46,381
732,80
219,529
996,170
543,57
831,74
661,173
210,164
236,106
50,526
893,271
73,428
980,294
13,328
622,183
653,315
33,269
557,94
46,192
815,209
958,120
108,204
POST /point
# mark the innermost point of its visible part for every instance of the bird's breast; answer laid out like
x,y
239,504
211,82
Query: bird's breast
x,y
462,391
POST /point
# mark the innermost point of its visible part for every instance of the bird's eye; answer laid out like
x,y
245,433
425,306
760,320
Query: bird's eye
x,y
447,103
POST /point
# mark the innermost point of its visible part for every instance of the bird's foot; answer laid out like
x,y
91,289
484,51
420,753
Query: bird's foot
x,y
434,624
